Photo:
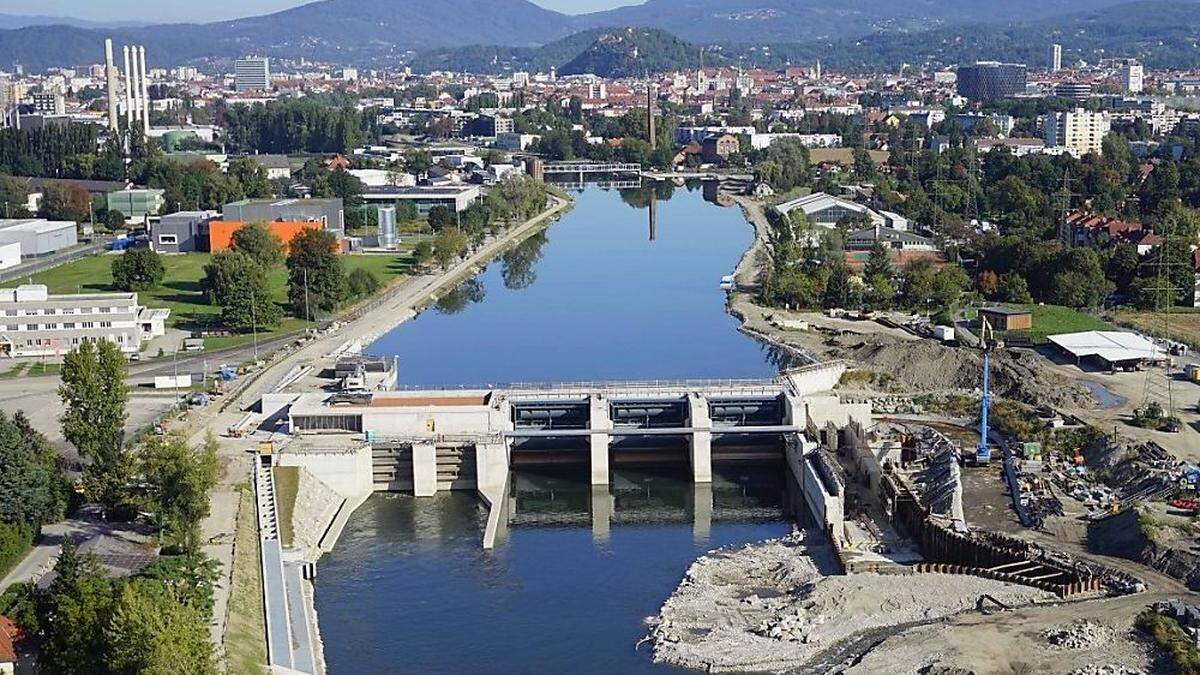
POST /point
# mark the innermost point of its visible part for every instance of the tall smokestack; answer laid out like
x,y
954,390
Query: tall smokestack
x,y
128,90
110,78
650,114
145,91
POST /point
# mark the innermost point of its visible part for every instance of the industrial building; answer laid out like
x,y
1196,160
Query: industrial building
x,y
35,323
990,80
136,203
181,232
458,198
220,232
10,255
1110,348
328,212
38,236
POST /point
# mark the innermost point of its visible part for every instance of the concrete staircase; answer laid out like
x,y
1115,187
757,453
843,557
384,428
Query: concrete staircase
x,y
456,468
268,516
392,468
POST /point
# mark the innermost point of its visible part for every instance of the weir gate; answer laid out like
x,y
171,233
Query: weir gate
x,y
430,440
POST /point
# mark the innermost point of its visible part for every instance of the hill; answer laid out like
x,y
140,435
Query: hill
x,y
791,21
629,52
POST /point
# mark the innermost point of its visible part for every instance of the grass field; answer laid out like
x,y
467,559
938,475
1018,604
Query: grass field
x,y
27,369
1053,319
246,629
287,485
181,291
1183,324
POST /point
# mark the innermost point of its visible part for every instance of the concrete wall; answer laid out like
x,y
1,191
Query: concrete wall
x,y
391,421
349,473
826,507
828,408
10,255
317,505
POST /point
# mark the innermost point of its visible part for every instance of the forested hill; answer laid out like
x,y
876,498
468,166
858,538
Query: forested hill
x,y
1161,33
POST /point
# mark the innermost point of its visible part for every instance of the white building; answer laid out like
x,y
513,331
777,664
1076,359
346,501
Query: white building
x,y
252,74
10,255
35,323
1077,130
38,236
1054,60
1134,75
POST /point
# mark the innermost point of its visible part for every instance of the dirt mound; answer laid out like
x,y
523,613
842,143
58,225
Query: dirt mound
x,y
1123,536
1020,375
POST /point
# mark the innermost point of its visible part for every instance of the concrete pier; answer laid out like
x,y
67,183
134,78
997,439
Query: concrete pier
x,y
424,468
599,423
702,511
602,510
700,443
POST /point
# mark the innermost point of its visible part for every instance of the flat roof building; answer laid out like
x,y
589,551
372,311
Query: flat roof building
x,y
181,232
1007,318
455,197
34,322
136,203
252,74
328,212
990,80
38,236
1110,347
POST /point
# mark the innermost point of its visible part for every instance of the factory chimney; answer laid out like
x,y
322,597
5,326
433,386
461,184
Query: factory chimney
x,y
128,90
650,113
110,77
145,91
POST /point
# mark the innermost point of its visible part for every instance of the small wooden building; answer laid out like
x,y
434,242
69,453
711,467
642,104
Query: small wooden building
x,y
1007,318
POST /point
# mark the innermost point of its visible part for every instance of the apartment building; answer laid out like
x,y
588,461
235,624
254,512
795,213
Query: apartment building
x,y
34,322
1078,130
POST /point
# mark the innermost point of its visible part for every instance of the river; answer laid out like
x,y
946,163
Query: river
x,y
601,295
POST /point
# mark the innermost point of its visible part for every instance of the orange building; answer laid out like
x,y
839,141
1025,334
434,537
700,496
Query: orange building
x,y
220,232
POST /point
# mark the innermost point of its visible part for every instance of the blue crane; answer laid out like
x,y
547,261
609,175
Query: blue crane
x,y
983,454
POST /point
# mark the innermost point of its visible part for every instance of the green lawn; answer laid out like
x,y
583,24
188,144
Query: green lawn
x,y
1053,319
181,293
287,484
246,630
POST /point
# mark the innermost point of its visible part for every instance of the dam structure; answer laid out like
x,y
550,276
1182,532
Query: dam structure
x,y
425,441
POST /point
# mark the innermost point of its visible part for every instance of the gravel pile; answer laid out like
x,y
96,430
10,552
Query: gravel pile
x,y
1084,634
767,607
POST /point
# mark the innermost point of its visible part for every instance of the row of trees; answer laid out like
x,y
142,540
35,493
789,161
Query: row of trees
x,y
301,125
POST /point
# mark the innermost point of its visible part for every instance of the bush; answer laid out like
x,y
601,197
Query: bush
x,y
363,282
1166,632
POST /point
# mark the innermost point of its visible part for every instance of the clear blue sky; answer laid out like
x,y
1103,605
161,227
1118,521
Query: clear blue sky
x,y
191,10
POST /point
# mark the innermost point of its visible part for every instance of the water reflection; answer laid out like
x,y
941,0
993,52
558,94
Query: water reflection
x,y
468,292
518,264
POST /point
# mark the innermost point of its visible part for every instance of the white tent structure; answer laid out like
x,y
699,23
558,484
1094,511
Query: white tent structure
x,y
1110,346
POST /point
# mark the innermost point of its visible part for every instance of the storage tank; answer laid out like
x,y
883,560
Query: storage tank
x,y
387,227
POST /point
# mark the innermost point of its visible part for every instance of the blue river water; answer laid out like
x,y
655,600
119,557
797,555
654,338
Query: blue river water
x,y
408,589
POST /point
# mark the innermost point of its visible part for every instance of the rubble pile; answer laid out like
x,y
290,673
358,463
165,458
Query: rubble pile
x,y
1084,634
1109,669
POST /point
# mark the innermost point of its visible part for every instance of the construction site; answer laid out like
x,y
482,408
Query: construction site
x,y
1006,508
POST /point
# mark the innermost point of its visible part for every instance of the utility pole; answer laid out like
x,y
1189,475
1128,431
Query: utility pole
x,y
254,322
307,313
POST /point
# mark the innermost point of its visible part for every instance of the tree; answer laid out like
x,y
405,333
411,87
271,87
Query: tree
x,y
1012,287
137,269
73,614
239,286
33,490
94,395
69,202
448,245
151,633
948,286
251,176
840,290
918,284
880,292
362,282
441,217
423,252
257,242
13,197
879,263
316,276
178,479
